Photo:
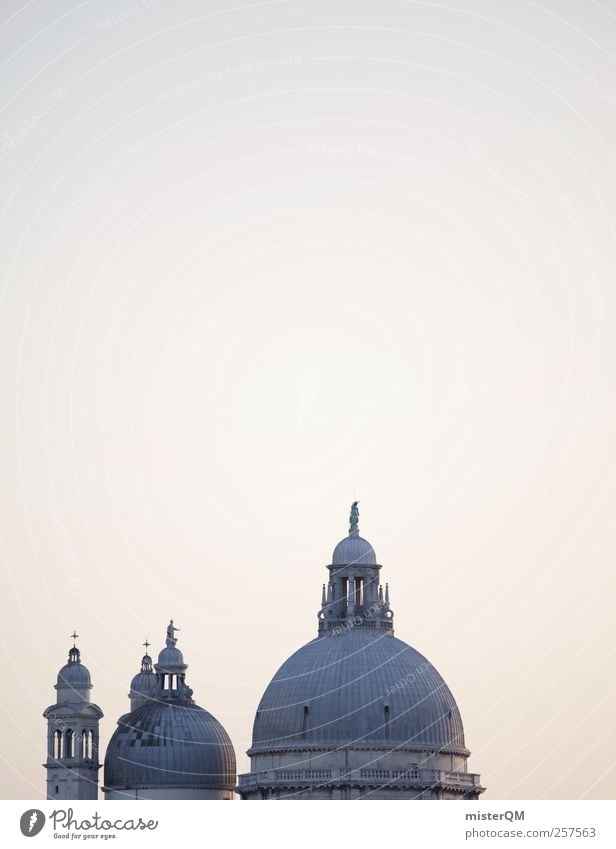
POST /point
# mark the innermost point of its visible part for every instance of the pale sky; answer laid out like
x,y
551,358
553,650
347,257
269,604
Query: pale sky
x,y
259,258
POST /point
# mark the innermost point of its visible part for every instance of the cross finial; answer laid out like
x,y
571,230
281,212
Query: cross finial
x,y
146,644
74,635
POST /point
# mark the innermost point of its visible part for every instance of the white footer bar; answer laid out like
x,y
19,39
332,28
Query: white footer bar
x,y
313,825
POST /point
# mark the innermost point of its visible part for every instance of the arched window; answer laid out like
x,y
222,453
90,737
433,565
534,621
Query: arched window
x,y
84,744
90,744
386,718
359,592
57,744
305,720
69,747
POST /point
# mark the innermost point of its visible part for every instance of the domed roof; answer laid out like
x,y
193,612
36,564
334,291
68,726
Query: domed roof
x,y
354,550
360,689
74,674
169,658
143,683
169,745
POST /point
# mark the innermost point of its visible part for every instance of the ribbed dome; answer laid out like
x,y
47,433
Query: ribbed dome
x,y
354,549
169,745
143,683
335,691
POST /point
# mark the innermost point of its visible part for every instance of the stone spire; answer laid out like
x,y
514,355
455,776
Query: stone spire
x,y
354,596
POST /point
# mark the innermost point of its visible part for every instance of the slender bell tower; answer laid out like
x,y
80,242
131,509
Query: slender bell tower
x,y
72,734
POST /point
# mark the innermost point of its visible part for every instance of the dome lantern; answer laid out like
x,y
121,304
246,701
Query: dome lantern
x,y
354,596
171,669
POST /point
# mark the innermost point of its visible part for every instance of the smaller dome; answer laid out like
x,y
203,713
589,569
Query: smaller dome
x,y
143,683
170,658
169,745
74,673
354,550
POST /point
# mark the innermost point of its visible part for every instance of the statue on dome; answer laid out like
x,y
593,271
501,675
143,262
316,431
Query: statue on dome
x,y
354,518
171,639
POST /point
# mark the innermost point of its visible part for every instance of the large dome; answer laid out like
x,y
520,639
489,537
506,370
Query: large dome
x,y
357,689
357,713
354,550
169,745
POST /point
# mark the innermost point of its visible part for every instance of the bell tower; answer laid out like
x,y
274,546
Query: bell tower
x,y
72,734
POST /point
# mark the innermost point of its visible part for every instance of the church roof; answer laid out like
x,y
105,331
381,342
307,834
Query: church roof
x,y
168,741
357,689
356,684
169,745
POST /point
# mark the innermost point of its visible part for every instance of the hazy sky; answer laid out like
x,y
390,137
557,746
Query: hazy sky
x,y
257,258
